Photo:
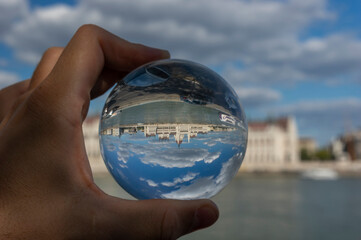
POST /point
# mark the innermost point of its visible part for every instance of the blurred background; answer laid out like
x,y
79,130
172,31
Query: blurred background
x,y
296,67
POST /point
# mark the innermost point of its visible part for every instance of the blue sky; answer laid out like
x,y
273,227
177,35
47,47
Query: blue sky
x,y
287,57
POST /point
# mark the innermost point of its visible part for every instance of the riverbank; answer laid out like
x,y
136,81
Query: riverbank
x,y
346,169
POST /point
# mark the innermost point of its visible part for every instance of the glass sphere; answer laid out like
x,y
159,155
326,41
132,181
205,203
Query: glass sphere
x,y
173,129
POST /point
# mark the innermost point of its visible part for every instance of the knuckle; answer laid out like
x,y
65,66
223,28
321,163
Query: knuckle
x,y
88,29
52,51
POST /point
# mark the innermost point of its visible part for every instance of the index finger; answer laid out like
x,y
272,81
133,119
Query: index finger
x,y
90,51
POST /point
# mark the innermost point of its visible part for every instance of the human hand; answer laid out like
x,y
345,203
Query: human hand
x,y
46,185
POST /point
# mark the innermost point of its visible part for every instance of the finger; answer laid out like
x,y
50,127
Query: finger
x,y
157,219
10,95
83,60
46,64
105,81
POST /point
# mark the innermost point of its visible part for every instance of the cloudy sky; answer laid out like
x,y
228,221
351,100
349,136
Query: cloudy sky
x,y
286,57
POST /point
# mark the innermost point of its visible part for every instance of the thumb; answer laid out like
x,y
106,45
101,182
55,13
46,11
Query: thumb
x,y
158,219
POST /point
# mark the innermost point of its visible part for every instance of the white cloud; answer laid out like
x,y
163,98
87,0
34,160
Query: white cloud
x,y
44,27
288,60
11,11
253,97
7,78
266,74
268,46
324,118
233,32
332,56
325,114
335,106
262,36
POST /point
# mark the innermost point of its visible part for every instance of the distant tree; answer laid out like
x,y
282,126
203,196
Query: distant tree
x,y
305,155
324,155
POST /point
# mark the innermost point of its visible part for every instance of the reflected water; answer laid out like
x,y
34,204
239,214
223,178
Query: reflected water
x,y
173,129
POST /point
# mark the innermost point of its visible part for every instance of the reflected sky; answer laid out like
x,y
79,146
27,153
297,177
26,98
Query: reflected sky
x,y
167,169
173,129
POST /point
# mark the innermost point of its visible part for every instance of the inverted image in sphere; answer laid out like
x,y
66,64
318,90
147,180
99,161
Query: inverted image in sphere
x,y
173,129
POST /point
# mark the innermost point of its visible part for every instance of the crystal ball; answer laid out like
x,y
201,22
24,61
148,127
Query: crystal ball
x,y
173,129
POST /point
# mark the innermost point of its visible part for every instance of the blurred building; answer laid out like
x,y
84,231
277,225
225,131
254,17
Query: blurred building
x,y
91,137
307,149
347,146
272,144
308,144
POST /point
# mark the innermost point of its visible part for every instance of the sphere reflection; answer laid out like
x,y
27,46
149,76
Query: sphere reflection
x,y
173,129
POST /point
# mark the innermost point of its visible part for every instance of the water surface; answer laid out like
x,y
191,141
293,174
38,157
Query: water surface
x,y
280,207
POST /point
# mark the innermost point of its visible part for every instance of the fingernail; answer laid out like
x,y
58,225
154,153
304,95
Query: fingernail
x,y
164,54
153,52
205,216
161,53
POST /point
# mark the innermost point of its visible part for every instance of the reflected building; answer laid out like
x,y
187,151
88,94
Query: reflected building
x,y
179,131
165,132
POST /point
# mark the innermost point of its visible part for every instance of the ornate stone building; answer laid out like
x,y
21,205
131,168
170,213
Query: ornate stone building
x,y
272,144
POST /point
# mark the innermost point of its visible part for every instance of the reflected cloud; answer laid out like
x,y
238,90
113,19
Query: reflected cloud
x,y
209,185
166,157
176,158
192,191
149,182
123,155
190,176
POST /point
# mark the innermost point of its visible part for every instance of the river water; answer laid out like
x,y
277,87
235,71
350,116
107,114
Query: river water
x,y
279,207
